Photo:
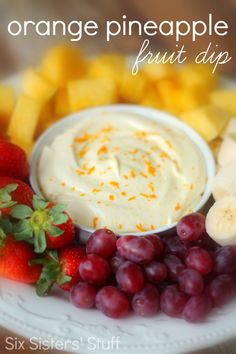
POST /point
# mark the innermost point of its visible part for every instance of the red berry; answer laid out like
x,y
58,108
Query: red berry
x,y
157,243
94,269
191,227
155,272
146,302
66,238
197,308
200,260
83,295
191,282
112,302
102,242
70,258
129,277
23,194
15,257
13,161
172,301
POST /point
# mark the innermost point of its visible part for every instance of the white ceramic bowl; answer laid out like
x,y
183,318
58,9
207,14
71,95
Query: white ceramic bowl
x,y
148,113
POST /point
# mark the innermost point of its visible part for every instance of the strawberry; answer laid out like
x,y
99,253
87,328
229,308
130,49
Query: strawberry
x,y
15,257
13,191
13,161
62,269
45,225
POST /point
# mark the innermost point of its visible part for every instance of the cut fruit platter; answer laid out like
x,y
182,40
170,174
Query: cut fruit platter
x,y
174,292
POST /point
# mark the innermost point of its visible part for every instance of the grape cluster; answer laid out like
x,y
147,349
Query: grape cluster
x,y
184,274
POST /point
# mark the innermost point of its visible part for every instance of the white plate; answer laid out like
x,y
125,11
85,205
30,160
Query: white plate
x,y
54,319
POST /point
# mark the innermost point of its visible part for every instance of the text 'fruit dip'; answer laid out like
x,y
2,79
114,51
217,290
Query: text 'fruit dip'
x,y
122,171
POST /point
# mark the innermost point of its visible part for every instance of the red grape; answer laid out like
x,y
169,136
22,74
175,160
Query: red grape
x,y
146,302
199,259
112,302
83,295
174,266
175,246
191,282
129,277
155,271
172,301
94,269
115,262
197,308
207,243
191,227
225,260
158,244
102,242
221,289
136,249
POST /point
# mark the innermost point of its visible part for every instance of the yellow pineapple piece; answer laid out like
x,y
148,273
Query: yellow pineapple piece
x,y
155,72
24,121
7,101
109,66
61,103
63,63
208,121
151,99
166,90
38,87
91,92
225,99
184,100
46,118
197,77
132,87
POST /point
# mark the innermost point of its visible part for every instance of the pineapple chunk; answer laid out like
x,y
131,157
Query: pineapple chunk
x,y
46,118
62,63
88,92
61,103
184,100
24,121
209,121
109,66
225,99
151,99
36,86
155,72
197,77
132,87
7,101
166,90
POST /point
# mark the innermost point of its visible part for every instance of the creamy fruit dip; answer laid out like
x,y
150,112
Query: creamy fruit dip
x,y
122,171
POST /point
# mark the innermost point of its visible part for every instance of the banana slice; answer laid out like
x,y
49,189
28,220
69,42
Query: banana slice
x,y
227,151
230,128
225,182
221,221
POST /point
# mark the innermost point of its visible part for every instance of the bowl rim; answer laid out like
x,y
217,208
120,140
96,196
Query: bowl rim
x,y
145,112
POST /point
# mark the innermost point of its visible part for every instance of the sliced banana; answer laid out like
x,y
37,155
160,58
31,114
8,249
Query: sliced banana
x,y
230,128
225,182
227,151
221,221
